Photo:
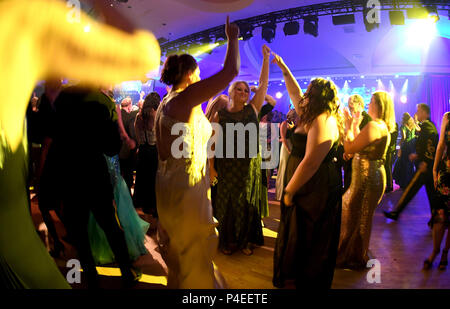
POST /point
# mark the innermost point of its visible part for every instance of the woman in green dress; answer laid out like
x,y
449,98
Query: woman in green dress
x,y
238,202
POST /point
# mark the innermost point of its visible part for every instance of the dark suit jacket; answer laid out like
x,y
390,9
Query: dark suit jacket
x,y
426,143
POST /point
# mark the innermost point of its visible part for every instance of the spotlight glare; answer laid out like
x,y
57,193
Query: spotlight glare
x,y
403,99
278,95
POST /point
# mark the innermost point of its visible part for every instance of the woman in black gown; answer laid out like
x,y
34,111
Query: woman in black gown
x,y
308,235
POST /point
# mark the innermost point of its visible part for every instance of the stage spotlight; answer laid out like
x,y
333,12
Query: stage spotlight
x,y
403,99
311,25
397,17
268,32
343,19
278,95
221,37
246,31
291,28
433,14
205,40
417,13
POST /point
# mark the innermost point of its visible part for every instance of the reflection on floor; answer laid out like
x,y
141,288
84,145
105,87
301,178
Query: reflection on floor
x,y
400,247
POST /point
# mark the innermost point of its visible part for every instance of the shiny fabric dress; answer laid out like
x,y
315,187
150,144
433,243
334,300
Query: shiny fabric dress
x,y
184,206
133,226
308,234
358,205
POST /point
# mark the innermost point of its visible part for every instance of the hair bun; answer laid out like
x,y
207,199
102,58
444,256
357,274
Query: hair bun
x,y
175,67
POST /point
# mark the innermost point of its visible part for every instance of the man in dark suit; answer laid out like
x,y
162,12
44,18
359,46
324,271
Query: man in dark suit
x,y
423,159
82,180
127,154
355,105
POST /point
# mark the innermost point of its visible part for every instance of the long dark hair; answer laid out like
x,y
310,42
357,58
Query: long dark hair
x,y
146,116
323,97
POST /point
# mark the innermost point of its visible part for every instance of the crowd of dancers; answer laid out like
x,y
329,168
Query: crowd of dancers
x,y
83,172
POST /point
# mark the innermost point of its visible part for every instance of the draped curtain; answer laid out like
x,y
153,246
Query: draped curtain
x,y
435,91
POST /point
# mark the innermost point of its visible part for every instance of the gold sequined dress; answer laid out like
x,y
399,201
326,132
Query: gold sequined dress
x,y
359,203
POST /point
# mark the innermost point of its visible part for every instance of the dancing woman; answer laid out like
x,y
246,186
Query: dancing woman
x,y
239,201
308,235
147,157
369,147
182,181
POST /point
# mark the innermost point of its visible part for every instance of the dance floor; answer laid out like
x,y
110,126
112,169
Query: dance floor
x,y
400,247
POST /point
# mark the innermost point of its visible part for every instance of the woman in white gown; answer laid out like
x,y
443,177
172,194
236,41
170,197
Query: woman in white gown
x,y
182,180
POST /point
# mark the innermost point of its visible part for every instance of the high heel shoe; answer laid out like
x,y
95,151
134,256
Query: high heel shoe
x,y
444,262
427,264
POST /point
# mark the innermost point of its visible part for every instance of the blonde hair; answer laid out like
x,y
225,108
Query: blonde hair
x,y
356,98
386,108
408,121
233,85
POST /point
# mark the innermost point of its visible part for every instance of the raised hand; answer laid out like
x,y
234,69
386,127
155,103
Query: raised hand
x,y
266,51
253,88
278,60
231,30
348,119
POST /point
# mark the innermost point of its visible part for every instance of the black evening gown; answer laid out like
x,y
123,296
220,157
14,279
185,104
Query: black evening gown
x,y
308,234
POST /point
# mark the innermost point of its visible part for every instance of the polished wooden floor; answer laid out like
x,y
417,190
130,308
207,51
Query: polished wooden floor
x,y
400,247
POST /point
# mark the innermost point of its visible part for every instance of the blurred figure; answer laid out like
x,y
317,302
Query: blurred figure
x,y
42,57
404,168
147,156
369,147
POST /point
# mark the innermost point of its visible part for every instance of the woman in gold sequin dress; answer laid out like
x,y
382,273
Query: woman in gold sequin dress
x,y
368,179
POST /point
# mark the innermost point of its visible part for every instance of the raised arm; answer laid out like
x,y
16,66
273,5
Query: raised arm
x,y
293,88
368,135
201,91
440,148
261,91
